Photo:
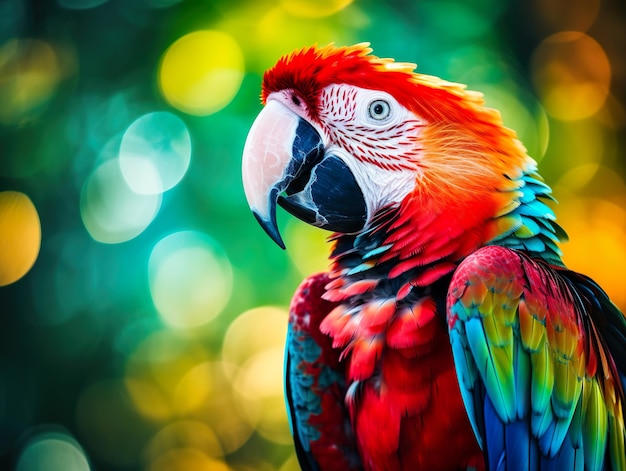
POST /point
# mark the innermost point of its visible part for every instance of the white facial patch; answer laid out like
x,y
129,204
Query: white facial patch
x,y
380,187
376,137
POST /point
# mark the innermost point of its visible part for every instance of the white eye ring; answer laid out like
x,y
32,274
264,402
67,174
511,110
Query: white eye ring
x,y
379,110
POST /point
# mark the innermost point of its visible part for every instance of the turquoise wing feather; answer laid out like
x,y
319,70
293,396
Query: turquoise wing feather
x,y
540,354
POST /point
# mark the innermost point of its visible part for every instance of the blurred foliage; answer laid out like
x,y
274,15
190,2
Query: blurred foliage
x,y
143,311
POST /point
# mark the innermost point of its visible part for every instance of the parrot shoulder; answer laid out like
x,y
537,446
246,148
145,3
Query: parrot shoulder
x,y
315,385
537,351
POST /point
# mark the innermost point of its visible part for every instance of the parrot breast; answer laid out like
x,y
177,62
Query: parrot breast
x,y
402,392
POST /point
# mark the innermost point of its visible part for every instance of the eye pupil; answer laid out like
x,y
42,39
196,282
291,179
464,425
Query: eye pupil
x,y
378,108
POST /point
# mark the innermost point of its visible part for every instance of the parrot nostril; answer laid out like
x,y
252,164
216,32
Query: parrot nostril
x,y
295,99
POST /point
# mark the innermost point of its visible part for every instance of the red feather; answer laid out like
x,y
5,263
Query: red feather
x,y
311,69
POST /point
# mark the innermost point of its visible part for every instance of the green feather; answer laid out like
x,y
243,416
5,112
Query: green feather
x,y
522,368
495,367
542,379
567,387
616,434
528,229
595,427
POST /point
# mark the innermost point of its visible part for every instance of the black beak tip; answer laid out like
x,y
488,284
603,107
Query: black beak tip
x,y
271,228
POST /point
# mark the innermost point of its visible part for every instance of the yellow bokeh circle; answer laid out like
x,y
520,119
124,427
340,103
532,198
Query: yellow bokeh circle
x,y
201,72
184,434
308,247
29,73
20,236
597,231
572,74
190,279
185,459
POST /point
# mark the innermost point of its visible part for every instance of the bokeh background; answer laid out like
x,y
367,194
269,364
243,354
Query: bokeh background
x,y
142,311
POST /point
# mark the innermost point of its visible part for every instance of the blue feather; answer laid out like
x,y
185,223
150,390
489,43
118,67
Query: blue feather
x,y
494,437
301,401
520,450
377,251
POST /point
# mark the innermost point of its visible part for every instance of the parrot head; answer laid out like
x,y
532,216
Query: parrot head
x,y
346,136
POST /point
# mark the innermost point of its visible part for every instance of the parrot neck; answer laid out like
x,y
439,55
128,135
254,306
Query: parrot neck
x,y
406,257
425,238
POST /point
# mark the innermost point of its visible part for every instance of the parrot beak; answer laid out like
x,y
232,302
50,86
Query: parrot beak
x,y
284,161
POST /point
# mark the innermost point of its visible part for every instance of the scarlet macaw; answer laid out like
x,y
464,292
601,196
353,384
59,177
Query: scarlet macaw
x,y
447,333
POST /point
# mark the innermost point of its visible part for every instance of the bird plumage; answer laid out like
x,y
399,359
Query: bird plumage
x,y
315,385
447,333
527,340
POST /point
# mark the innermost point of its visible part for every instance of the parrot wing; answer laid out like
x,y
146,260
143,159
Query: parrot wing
x,y
540,354
315,385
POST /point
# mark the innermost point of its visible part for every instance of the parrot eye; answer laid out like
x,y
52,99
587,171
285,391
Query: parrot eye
x,y
379,110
